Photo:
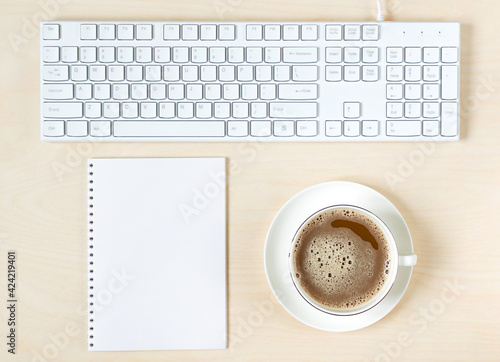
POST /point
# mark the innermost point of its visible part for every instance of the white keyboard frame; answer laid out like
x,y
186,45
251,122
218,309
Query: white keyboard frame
x,y
331,96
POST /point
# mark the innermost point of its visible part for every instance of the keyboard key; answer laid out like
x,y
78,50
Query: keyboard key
x,y
260,128
413,91
63,110
53,128
69,54
144,32
369,128
431,109
130,110
304,73
430,128
93,110
413,110
272,32
237,128
370,32
77,128
169,129
412,73
258,110
431,73
297,91
333,32
125,32
88,32
394,91
172,32
167,110
413,55
180,54
370,73
352,73
249,91
431,91
172,73
185,110
254,32
51,32
272,55
352,55
254,55
333,128
106,54
88,54
300,55
107,32
394,110
449,55
290,32
153,73
333,55
309,32
208,32
245,73
449,82
50,54
352,109
431,55
284,128
100,128
236,55
55,73
293,110
111,109
126,55
240,110
394,55
307,128
217,54
351,128
203,110
394,73
449,119
102,91
352,32
143,54
58,91
267,91
333,73
370,55
263,73
120,91
190,32
404,128
281,73
222,110
97,73
83,91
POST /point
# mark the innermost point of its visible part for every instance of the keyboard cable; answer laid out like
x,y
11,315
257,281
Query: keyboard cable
x,y
380,15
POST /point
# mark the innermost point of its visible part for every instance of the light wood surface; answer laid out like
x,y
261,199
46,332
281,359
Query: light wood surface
x,y
449,198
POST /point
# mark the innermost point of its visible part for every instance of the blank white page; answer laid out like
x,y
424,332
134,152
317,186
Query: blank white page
x,y
157,254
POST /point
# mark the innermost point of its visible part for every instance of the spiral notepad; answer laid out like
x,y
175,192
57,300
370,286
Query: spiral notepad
x,y
157,254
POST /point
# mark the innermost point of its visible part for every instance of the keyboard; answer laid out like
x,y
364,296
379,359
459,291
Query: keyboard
x,y
249,81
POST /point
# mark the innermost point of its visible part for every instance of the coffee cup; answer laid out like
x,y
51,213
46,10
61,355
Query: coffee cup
x,y
343,260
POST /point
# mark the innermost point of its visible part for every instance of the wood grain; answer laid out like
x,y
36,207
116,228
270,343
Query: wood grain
x,y
449,200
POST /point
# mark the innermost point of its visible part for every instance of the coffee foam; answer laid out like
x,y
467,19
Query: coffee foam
x,y
335,266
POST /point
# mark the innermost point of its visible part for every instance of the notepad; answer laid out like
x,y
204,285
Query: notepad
x,y
157,254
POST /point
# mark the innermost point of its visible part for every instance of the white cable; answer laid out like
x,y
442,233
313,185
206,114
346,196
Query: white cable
x,y
380,15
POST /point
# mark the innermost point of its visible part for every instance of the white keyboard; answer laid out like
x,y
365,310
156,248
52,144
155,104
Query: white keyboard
x,y
250,81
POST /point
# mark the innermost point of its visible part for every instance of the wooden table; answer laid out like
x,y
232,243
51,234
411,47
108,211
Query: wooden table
x,y
448,193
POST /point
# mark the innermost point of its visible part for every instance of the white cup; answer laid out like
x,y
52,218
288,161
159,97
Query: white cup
x,y
396,261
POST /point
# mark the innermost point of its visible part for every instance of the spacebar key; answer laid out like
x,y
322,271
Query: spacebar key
x,y
169,129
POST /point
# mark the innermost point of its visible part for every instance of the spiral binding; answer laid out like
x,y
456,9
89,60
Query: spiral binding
x,y
91,247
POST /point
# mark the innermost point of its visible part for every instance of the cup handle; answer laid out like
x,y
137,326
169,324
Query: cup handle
x,y
407,260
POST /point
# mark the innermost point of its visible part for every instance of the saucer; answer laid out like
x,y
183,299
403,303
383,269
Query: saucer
x,y
281,234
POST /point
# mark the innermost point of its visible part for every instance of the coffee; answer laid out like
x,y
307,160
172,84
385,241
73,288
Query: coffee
x,y
341,258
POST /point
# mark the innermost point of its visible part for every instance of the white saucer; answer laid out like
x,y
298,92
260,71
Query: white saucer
x,y
281,234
